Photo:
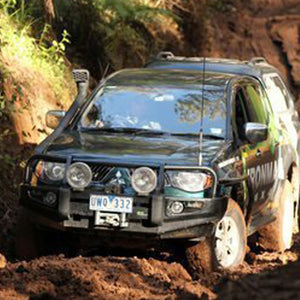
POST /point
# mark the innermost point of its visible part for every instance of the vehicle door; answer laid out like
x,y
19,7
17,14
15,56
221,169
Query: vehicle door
x,y
260,159
283,105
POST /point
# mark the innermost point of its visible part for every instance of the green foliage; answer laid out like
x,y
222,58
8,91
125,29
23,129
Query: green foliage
x,y
114,31
124,24
56,51
129,11
222,5
19,48
8,4
117,31
14,7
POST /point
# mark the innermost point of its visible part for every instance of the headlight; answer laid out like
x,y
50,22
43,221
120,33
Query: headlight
x,y
144,180
190,181
79,175
50,170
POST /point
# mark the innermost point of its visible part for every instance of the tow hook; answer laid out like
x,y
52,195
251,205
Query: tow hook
x,y
110,219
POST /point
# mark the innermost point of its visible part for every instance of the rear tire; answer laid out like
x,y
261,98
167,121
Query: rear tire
x,y
277,236
226,249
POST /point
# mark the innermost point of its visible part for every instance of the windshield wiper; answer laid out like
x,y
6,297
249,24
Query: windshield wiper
x,y
143,131
213,136
209,136
125,130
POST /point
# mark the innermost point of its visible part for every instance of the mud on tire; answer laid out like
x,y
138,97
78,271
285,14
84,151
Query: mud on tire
x,y
204,257
277,236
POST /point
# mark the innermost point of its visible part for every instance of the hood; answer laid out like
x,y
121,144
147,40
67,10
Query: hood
x,y
183,150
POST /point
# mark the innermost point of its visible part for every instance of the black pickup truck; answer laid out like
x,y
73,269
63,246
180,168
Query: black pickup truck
x,y
164,155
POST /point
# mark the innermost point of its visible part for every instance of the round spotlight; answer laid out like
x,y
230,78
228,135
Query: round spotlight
x,y
50,198
79,175
54,171
144,180
175,207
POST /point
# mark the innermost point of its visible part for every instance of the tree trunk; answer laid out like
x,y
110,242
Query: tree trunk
x,y
49,11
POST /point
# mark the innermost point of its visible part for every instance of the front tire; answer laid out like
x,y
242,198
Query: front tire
x,y
226,249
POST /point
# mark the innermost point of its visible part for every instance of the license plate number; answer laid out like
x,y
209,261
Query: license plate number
x,y
111,203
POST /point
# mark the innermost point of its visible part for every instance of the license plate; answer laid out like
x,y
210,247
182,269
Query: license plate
x,y
111,203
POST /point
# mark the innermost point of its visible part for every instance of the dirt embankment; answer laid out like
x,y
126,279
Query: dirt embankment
x,y
268,28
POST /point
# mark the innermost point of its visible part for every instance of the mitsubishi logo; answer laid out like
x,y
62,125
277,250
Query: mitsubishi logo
x,y
115,186
119,178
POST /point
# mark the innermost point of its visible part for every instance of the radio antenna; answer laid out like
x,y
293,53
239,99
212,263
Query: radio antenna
x,y
203,90
202,109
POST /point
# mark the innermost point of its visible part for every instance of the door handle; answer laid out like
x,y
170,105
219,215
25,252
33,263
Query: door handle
x,y
258,153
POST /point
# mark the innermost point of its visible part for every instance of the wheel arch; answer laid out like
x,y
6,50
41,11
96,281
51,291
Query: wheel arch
x,y
293,177
239,193
292,172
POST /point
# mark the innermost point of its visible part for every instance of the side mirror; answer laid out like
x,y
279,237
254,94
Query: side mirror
x,y
53,118
255,132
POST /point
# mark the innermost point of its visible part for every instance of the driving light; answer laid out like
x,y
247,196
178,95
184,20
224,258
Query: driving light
x,y
54,171
50,198
50,170
79,175
175,207
190,181
144,180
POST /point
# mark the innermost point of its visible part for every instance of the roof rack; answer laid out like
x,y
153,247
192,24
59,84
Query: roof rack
x,y
165,55
257,60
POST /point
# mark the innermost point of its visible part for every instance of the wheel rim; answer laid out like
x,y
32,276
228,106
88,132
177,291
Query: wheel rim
x,y
227,240
287,222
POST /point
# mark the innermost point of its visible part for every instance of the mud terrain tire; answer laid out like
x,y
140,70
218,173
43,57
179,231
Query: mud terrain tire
x,y
277,236
204,257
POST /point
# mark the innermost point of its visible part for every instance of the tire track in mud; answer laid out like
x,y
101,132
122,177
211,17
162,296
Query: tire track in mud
x,y
111,277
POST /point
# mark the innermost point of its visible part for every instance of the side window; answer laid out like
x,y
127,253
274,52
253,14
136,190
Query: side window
x,y
255,104
277,92
241,114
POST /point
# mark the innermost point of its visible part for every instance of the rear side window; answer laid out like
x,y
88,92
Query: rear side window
x,y
277,93
255,104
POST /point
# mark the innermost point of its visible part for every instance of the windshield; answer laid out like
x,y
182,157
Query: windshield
x,y
157,108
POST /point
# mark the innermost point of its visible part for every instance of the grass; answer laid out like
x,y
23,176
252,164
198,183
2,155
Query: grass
x,y
20,52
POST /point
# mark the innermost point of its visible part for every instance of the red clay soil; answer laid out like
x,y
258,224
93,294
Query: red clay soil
x,y
268,28
263,276
263,28
56,277
268,276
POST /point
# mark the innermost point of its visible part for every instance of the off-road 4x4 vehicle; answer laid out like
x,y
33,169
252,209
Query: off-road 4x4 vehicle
x,y
165,155
281,99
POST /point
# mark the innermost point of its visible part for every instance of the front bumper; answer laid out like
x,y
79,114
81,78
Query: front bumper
x,y
71,212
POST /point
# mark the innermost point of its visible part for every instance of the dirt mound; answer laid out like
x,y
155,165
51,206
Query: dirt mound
x,y
98,278
264,275
259,28
269,276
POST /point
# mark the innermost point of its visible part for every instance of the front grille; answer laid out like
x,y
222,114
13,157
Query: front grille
x,y
100,172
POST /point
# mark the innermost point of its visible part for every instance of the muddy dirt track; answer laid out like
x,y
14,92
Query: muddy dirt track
x,y
263,276
260,30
